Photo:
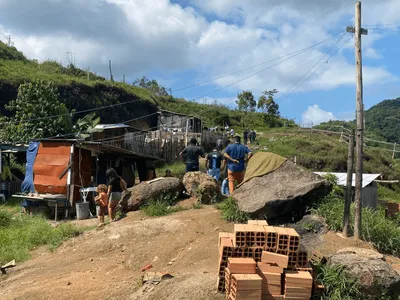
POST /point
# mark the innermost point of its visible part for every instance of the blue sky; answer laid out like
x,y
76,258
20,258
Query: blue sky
x,y
184,42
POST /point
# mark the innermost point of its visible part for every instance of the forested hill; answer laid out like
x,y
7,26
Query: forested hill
x,y
80,90
382,121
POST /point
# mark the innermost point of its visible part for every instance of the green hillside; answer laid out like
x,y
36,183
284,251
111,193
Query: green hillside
x,y
381,122
81,92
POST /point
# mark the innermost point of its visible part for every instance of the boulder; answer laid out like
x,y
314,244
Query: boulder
x,y
144,192
369,268
202,186
281,194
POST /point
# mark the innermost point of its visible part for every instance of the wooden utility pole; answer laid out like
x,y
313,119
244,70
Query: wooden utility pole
x,y
349,189
358,31
111,75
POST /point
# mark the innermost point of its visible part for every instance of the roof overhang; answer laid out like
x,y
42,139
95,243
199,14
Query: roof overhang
x,y
342,178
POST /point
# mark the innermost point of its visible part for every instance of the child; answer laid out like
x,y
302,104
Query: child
x,y
102,201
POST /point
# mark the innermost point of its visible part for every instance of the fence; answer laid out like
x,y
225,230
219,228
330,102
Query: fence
x,y
161,144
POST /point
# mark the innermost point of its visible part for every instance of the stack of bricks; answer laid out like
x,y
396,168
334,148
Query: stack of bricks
x,y
274,250
298,285
392,209
241,280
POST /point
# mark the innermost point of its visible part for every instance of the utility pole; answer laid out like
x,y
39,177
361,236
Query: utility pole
x,y
349,188
123,78
358,31
111,75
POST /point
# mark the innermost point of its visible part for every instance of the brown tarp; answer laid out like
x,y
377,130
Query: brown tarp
x,y
261,164
51,160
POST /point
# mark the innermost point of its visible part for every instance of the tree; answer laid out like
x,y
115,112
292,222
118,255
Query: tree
x,y
86,126
246,101
152,86
38,114
267,103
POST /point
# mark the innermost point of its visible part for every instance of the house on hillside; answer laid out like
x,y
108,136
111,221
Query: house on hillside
x,y
172,121
369,187
59,169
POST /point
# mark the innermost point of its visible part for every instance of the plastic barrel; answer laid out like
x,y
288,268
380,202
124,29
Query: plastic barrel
x,y
82,210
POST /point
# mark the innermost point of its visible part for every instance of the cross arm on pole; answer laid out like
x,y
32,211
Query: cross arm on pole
x,y
351,29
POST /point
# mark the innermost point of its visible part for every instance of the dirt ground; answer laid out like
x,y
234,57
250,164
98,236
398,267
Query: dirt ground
x,y
105,264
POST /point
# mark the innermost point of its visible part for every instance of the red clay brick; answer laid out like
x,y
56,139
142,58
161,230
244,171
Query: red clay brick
x,y
274,258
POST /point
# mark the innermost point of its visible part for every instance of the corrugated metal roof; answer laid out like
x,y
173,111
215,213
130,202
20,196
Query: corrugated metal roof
x,y
111,126
342,178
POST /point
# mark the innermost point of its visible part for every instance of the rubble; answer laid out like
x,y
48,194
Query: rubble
x,y
202,186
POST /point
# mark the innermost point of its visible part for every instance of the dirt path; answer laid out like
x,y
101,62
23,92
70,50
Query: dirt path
x,y
106,264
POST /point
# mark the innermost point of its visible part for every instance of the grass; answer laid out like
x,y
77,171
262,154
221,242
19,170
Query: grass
x,y
337,285
178,169
231,212
380,232
320,152
387,194
160,208
19,234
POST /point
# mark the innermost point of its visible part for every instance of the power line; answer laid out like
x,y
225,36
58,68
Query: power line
x,y
254,66
303,79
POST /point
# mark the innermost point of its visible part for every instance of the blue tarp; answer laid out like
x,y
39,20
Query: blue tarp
x,y
27,184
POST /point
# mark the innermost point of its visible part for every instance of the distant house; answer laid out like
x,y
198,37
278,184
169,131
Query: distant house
x,y
369,186
172,121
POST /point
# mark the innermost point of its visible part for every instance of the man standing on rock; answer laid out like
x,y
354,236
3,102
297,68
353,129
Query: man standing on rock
x,y
191,155
236,154
214,161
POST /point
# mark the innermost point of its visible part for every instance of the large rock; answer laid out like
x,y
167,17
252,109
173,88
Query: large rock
x,y
144,192
203,186
369,269
283,193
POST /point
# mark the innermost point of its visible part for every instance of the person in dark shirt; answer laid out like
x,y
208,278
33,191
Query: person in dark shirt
x,y
191,155
116,185
214,160
245,136
235,155
220,144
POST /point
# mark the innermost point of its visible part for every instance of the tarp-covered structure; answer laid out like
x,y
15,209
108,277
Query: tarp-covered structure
x,y
64,166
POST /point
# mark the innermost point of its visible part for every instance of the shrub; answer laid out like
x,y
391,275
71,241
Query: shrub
x,y
231,212
161,206
337,285
382,233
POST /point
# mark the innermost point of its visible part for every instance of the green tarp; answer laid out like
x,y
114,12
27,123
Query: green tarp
x,y
261,164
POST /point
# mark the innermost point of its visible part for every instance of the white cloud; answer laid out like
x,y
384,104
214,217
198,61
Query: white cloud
x,y
372,53
315,115
143,36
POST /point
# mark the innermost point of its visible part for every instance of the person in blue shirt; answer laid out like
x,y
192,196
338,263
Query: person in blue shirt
x,y
236,154
214,160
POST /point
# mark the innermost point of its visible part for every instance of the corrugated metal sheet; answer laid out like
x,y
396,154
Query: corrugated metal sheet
x,y
342,178
51,160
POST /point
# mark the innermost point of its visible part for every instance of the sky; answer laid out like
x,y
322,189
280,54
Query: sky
x,y
209,51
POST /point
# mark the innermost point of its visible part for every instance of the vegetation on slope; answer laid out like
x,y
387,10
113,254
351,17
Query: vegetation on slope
x,y
381,122
19,234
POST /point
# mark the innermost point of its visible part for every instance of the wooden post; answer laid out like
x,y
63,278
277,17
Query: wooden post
x,y
360,120
347,201
394,151
111,75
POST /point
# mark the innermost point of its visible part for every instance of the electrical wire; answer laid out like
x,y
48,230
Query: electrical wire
x,y
303,79
254,66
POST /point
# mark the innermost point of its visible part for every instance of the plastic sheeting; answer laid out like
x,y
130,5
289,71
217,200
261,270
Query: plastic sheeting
x,y
27,185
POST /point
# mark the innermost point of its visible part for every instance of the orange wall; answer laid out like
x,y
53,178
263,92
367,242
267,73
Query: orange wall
x,y
51,161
